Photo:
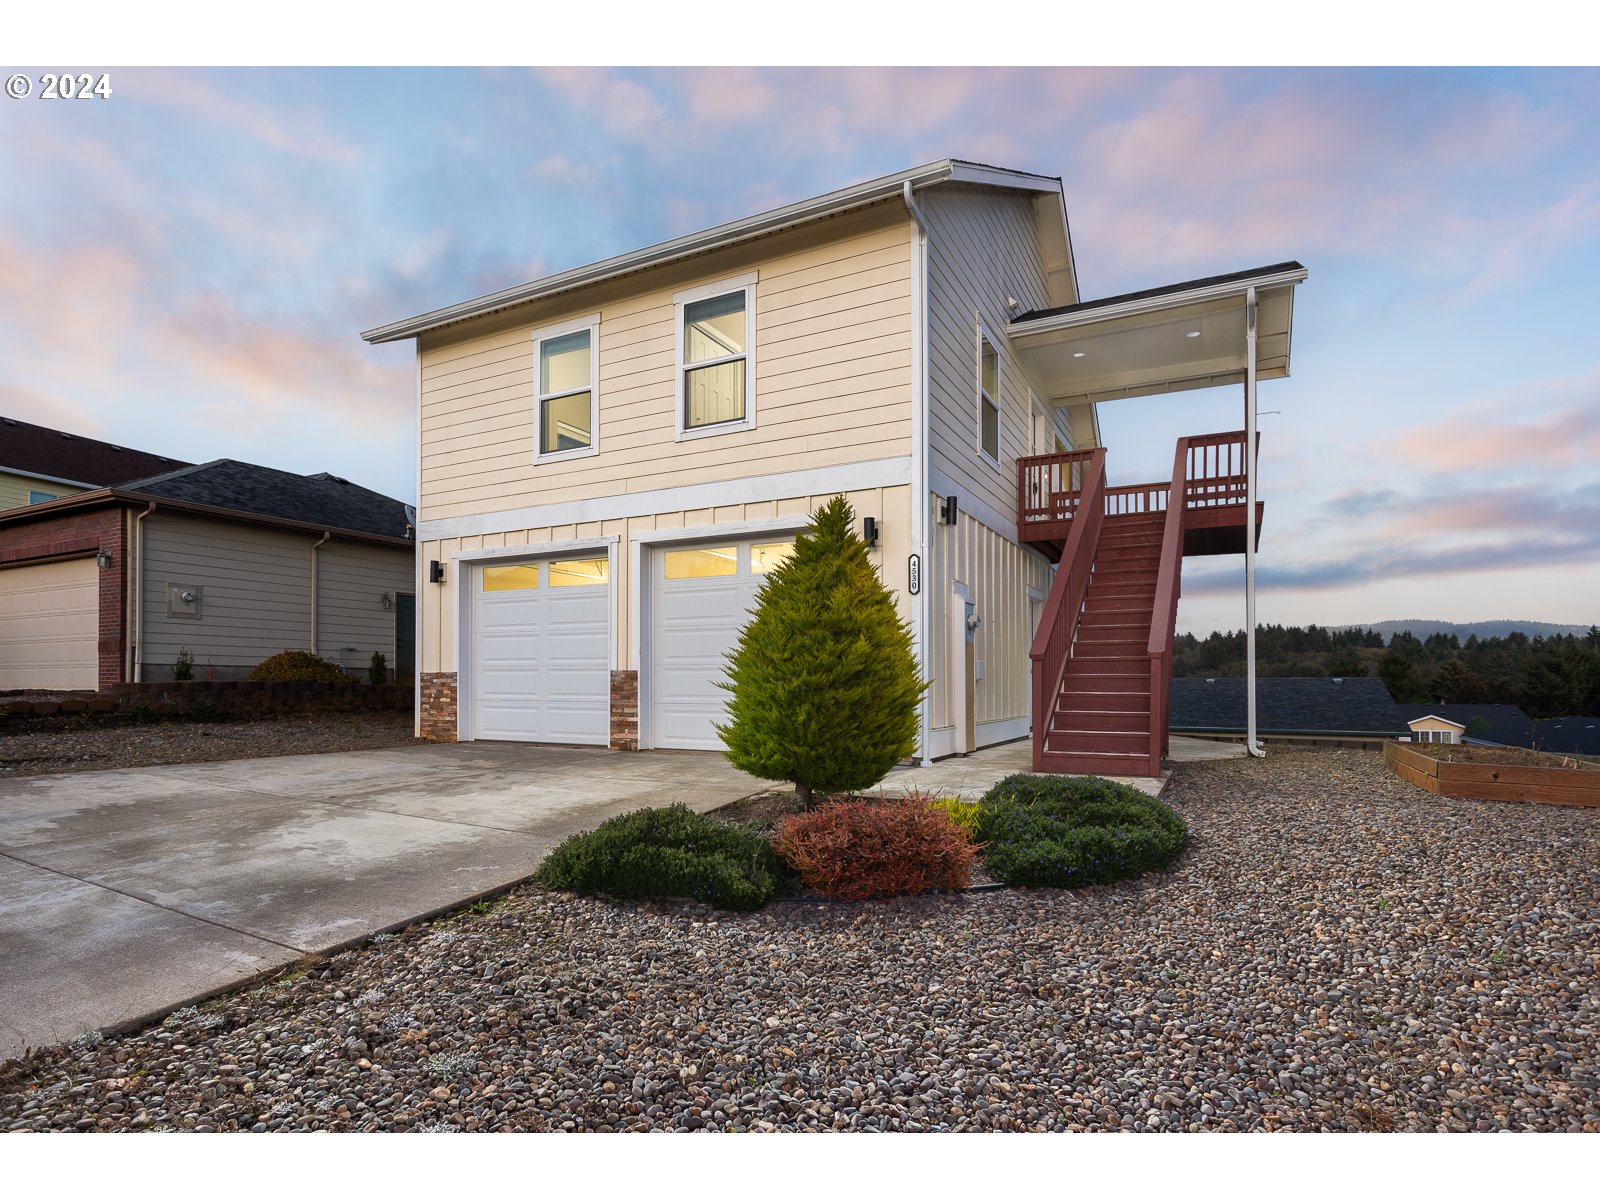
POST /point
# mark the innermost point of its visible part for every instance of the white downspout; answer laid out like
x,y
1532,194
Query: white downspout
x,y
138,593
1250,525
314,550
920,607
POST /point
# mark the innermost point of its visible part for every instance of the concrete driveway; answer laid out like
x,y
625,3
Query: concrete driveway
x,y
125,893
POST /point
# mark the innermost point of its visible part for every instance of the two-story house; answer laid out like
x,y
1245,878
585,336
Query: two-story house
x,y
611,458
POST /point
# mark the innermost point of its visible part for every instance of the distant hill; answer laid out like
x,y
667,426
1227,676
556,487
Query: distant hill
x,y
1484,629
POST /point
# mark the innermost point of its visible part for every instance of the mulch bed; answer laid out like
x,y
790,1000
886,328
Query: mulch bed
x,y
1504,756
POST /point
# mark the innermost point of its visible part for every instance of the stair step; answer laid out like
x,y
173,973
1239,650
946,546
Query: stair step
x,y
1093,651
1130,721
1102,619
1082,700
1059,763
1108,681
1092,741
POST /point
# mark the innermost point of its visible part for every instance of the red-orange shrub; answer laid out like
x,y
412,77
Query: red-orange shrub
x,y
852,848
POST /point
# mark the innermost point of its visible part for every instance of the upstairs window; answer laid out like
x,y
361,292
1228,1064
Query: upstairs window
x,y
566,389
988,399
716,343
42,497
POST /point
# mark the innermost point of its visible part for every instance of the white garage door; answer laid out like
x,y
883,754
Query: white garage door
x,y
50,625
540,643
702,599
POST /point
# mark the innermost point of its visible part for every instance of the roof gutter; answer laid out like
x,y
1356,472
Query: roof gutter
x,y
1234,289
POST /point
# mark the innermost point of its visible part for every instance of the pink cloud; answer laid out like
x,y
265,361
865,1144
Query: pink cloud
x,y
189,92
57,412
1480,437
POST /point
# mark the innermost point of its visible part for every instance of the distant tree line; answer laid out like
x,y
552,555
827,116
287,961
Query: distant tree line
x,y
1556,676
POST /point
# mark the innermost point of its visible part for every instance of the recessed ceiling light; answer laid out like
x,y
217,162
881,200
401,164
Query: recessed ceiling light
x,y
1192,333
1077,354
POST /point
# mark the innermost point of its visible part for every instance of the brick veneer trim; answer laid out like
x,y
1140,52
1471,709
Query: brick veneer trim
x,y
624,710
438,717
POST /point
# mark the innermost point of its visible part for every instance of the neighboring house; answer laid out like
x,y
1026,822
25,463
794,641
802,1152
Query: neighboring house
x,y
38,465
613,457
229,561
1568,735
1480,724
1313,709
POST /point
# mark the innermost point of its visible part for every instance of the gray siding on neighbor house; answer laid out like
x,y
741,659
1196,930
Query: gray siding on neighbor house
x,y
351,619
255,595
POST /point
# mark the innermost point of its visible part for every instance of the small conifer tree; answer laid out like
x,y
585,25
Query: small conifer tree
x,y
824,682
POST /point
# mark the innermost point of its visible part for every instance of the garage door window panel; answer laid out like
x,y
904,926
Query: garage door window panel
x,y
579,572
768,556
708,563
518,577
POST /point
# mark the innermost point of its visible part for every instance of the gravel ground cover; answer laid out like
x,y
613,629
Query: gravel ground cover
x,y
1336,950
103,748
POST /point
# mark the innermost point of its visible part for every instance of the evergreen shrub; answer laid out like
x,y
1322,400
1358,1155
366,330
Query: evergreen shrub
x,y
1053,831
669,853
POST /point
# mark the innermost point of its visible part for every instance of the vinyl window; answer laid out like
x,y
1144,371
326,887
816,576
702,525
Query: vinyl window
x,y
716,358
988,399
567,390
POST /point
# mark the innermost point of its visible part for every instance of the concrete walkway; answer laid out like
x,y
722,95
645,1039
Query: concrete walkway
x,y
975,774
126,893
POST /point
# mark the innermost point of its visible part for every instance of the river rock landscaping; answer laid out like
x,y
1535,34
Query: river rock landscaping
x,y
1335,949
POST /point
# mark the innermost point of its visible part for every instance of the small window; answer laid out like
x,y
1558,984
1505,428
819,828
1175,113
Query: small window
x,y
701,564
716,359
989,400
566,391
517,577
769,556
578,572
42,497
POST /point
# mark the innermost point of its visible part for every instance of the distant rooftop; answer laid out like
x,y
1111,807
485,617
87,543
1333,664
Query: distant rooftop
x,y
38,450
1508,724
1287,705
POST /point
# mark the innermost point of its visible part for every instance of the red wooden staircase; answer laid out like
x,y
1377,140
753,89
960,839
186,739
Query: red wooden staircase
x,y
1102,658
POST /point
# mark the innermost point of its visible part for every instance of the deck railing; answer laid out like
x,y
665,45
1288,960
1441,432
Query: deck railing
x,y
1050,485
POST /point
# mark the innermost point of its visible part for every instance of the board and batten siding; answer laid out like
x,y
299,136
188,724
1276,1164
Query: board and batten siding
x,y
832,375
255,595
890,505
997,574
983,249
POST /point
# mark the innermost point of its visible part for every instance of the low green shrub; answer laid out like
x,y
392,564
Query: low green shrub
x,y
298,666
1051,831
668,853
183,666
963,814
855,847
378,669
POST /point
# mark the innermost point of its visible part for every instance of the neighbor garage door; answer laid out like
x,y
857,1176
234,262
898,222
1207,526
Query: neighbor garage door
x,y
49,625
540,644
702,599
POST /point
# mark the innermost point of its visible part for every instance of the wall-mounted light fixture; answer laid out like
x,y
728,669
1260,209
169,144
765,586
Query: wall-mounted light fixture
x,y
387,599
103,560
435,571
869,530
949,508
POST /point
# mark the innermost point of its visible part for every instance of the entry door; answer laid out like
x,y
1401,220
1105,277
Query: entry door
x,y
703,596
541,638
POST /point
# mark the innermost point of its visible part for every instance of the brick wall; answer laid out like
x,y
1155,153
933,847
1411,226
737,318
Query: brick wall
x,y
75,534
624,710
439,706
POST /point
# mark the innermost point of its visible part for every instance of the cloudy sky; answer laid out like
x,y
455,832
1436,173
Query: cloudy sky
x,y
185,268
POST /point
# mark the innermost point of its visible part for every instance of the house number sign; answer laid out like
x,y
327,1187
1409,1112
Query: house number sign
x,y
914,573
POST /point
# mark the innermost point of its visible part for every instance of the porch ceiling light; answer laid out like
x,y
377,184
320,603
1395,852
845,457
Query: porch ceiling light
x,y
1078,353
1192,333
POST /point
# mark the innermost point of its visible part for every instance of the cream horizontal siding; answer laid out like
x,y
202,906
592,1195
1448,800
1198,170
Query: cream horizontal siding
x,y
438,651
832,377
998,573
351,620
983,249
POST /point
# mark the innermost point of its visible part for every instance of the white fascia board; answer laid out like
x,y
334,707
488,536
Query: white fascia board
x,y
1153,304
849,477
968,172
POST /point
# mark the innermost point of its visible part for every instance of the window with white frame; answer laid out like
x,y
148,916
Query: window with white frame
x,y
566,389
988,398
42,497
1446,736
716,358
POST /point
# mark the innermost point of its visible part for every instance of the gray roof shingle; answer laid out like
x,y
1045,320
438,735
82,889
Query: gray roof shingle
x,y
38,450
1287,705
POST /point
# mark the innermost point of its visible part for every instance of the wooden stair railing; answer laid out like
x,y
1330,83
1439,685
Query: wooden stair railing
x,y
1058,623
1164,616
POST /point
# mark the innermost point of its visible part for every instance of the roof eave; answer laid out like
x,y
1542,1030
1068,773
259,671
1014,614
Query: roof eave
x,y
1153,304
858,195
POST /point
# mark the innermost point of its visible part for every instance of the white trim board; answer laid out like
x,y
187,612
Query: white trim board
x,y
848,477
